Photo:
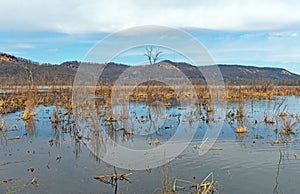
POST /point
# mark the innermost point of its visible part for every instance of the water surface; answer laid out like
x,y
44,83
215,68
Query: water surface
x,y
243,163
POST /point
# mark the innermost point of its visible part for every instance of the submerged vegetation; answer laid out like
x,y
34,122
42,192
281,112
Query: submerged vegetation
x,y
206,186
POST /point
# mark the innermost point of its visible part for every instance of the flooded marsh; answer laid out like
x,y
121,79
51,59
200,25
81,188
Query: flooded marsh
x,y
48,153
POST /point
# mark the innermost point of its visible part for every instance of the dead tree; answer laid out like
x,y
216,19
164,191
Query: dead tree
x,y
152,55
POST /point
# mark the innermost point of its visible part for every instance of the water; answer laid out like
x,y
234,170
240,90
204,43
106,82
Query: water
x,y
246,163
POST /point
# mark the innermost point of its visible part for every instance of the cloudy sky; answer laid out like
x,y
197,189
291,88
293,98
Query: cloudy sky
x,y
261,33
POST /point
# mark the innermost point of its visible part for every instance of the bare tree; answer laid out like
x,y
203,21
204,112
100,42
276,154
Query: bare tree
x,y
152,55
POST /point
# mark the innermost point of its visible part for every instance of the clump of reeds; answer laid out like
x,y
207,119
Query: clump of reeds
x,y
29,110
3,126
269,120
209,109
207,186
288,127
55,118
2,103
241,129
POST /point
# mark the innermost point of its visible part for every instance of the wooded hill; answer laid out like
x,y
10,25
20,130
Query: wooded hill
x,y
19,71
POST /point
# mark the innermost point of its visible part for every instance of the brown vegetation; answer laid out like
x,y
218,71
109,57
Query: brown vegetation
x,y
21,98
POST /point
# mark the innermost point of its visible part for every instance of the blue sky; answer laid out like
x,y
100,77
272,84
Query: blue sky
x,y
260,33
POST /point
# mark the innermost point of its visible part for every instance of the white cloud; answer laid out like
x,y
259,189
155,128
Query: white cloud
x,y
24,46
284,34
15,52
295,34
53,50
88,16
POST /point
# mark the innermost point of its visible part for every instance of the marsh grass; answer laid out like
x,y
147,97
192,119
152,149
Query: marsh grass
x,y
63,99
10,102
206,186
3,125
241,129
29,109
288,126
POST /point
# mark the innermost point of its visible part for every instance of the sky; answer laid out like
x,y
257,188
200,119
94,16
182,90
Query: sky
x,y
259,33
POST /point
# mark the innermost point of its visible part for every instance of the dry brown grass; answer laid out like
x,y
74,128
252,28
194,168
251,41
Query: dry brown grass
x,y
241,129
20,99
288,126
29,109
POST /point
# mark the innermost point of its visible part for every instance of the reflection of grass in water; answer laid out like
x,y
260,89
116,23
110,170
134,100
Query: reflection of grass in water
x,y
14,189
3,125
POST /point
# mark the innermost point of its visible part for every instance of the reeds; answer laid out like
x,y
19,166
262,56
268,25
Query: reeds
x,y
241,129
288,126
206,186
3,126
29,109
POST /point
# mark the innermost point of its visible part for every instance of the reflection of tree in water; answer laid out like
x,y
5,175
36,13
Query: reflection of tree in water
x,y
56,134
3,138
30,127
156,114
284,140
276,189
77,148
